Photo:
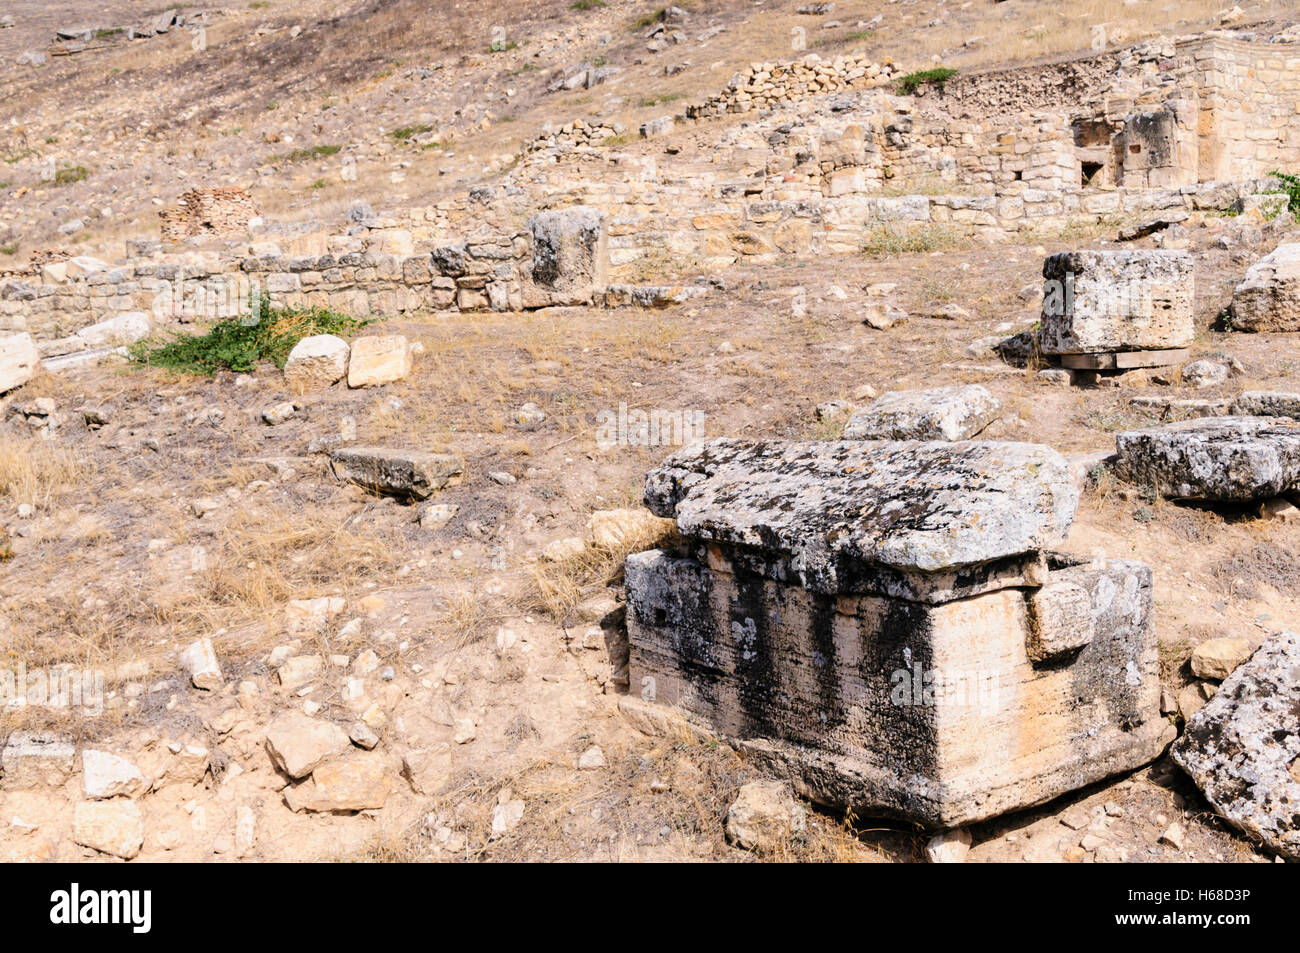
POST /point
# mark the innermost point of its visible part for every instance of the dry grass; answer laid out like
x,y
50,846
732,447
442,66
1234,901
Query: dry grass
x,y
264,560
36,472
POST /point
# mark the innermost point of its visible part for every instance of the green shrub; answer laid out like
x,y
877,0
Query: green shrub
x,y
237,344
70,174
406,132
587,4
1291,186
938,76
309,152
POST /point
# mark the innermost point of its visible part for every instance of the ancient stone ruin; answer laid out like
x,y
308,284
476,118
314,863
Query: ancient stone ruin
x,y
884,623
208,213
1117,309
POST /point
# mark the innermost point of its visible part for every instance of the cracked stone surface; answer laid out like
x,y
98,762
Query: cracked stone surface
x,y
1243,748
908,505
1214,458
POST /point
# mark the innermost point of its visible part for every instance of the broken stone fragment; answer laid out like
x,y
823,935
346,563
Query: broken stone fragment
x,y
1095,301
199,660
1243,747
19,360
950,847
621,529
1268,299
1263,403
380,359
763,816
832,508
111,827
1217,658
106,775
297,743
316,361
352,784
410,474
1060,619
941,413
1213,458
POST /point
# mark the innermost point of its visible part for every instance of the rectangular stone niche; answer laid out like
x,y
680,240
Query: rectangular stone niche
x,y
943,711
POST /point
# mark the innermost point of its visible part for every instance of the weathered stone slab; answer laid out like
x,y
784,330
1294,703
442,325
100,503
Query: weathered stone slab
x,y
1116,301
1265,403
19,360
830,508
933,713
570,257
1213,458
1268,299
1243,748
940,413
402,473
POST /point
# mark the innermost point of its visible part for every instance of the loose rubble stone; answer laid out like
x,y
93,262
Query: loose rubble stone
x,y
111,827
1096,301
297,744
592,759
1269,297
618,529
379,359
408,474
1217,658
950,847
1214,458
763,816
942,413
1205,373
106,775
316,361
1242,748
344,786
33,760
199,660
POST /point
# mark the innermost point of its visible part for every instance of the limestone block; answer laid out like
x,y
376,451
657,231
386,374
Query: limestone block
x,y
941,413
409,474
1213,458
1269,297
835,511
1116,301
570,257
1243,747
379,359
18,360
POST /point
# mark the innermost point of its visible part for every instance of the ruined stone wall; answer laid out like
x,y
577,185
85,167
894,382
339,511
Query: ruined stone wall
x,y
208,212
1249,118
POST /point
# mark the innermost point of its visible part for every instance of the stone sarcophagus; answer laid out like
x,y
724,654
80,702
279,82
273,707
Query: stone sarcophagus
x,y
882,623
